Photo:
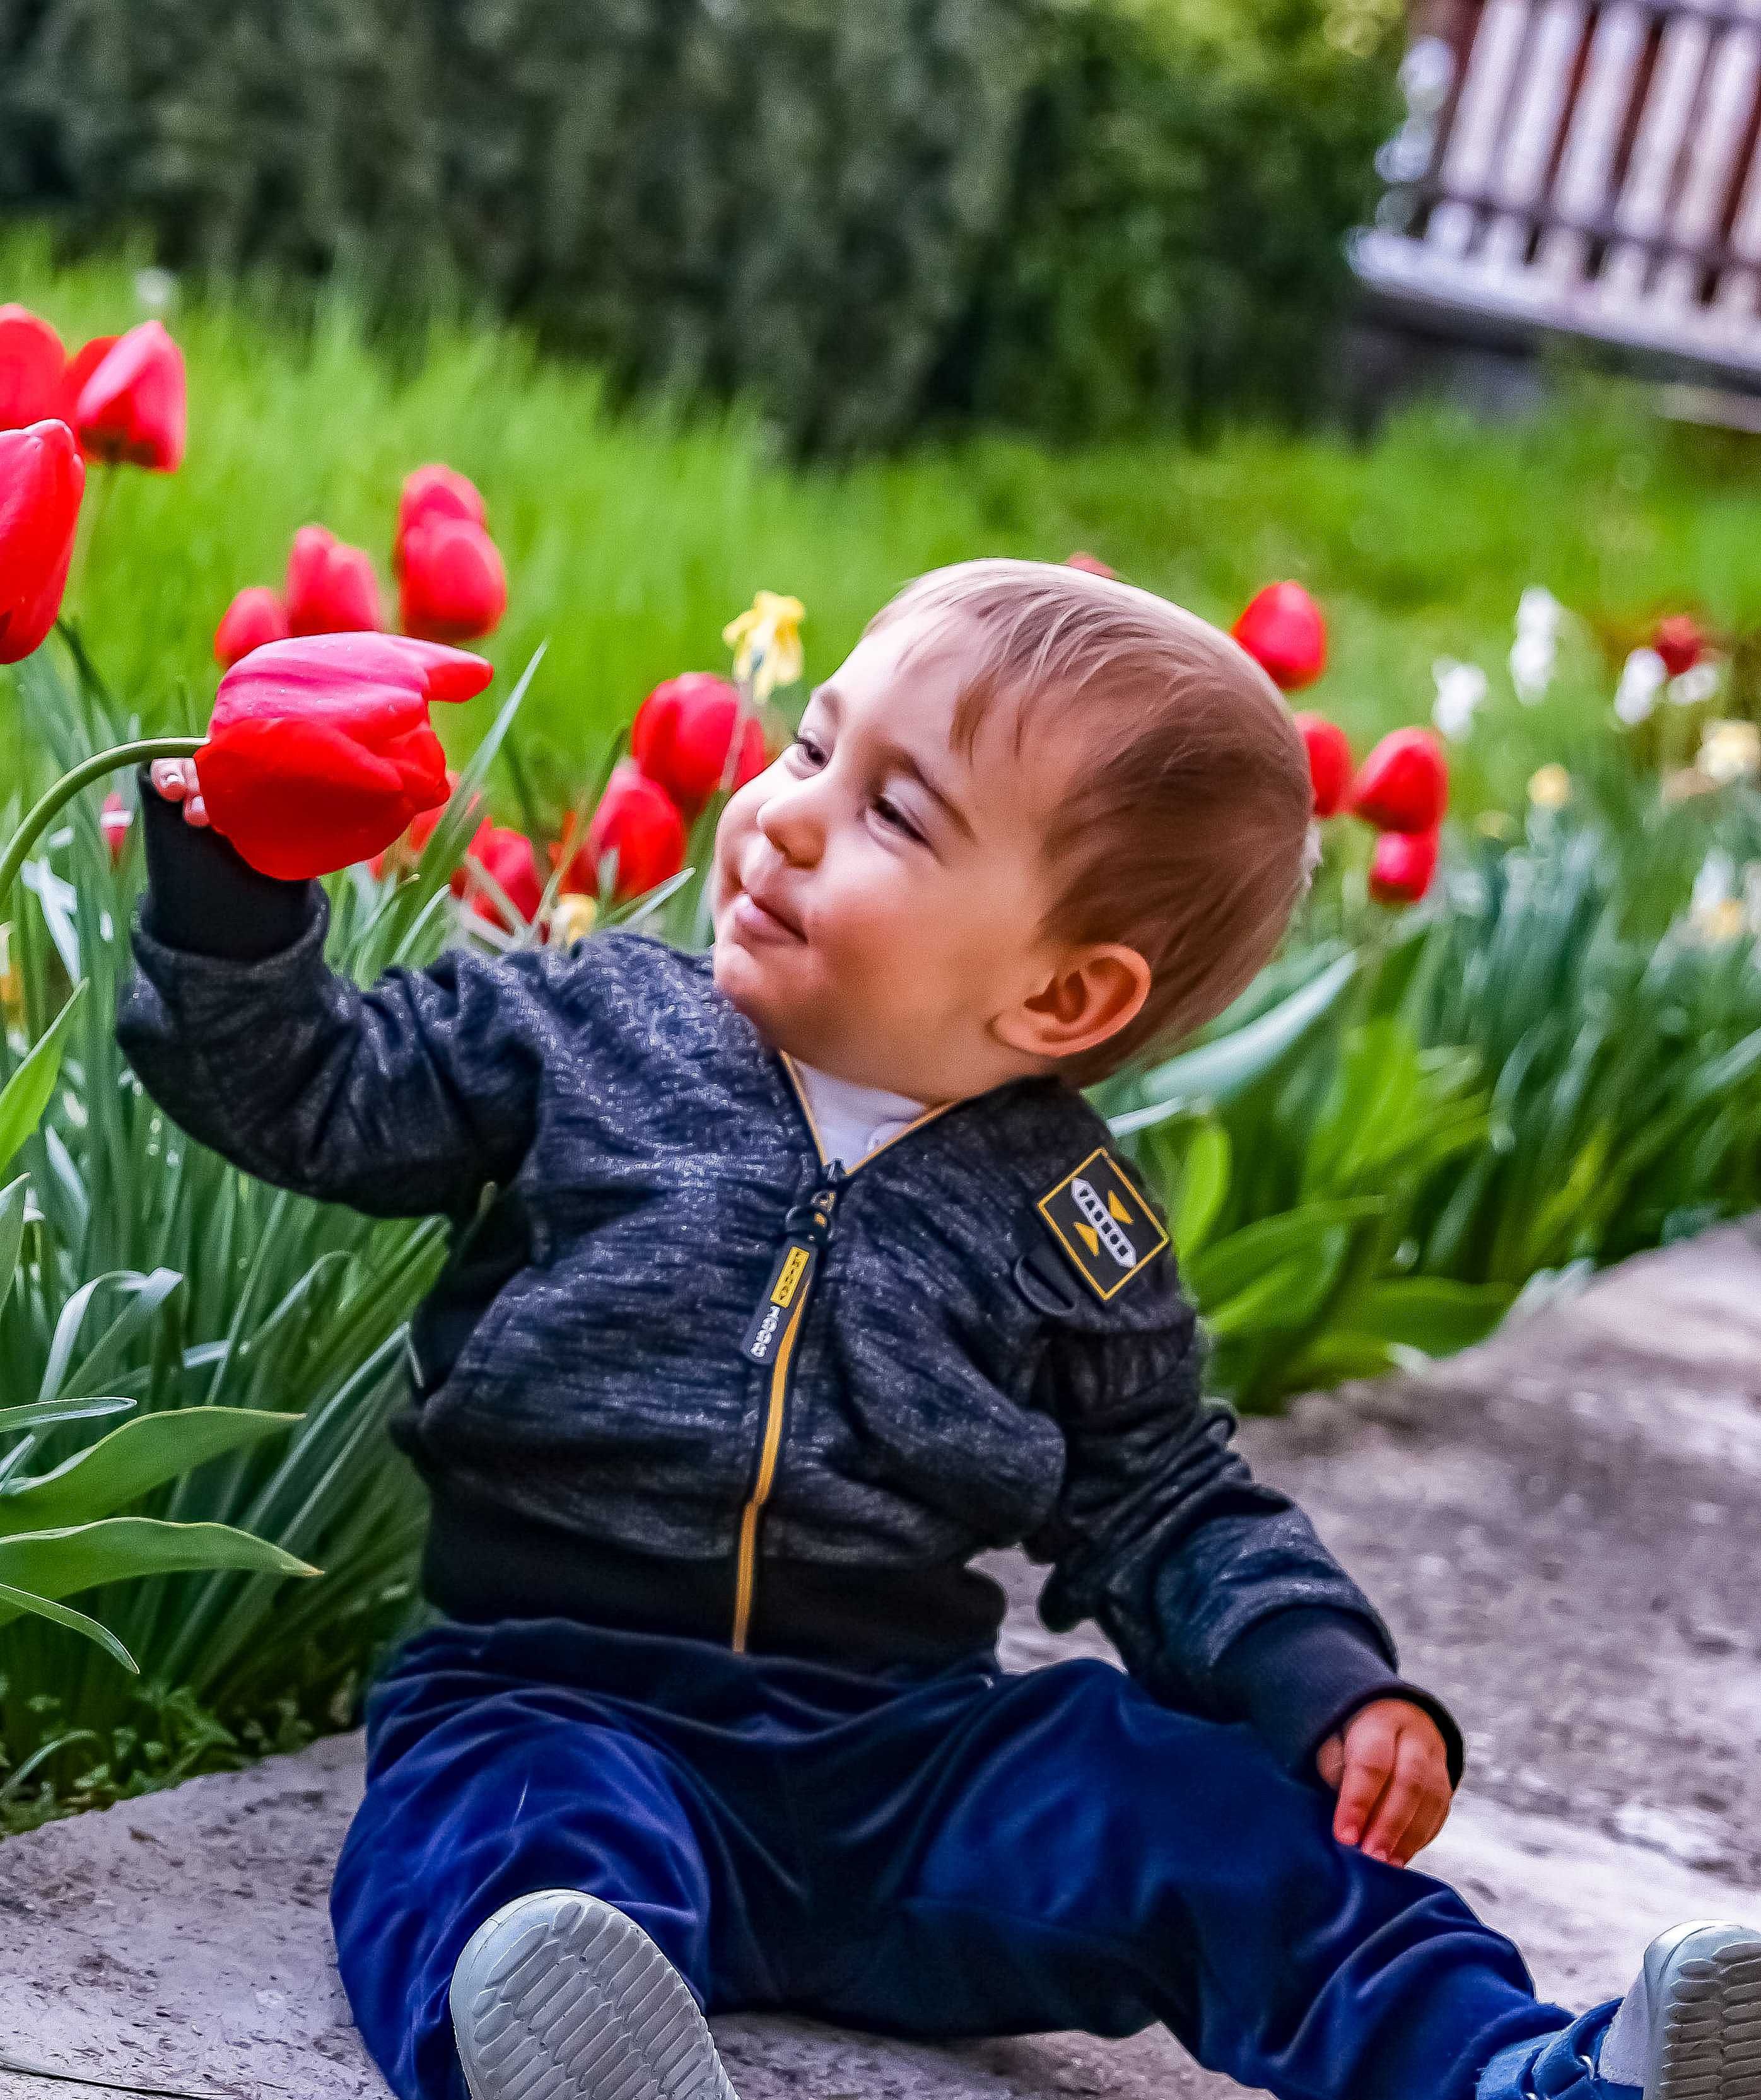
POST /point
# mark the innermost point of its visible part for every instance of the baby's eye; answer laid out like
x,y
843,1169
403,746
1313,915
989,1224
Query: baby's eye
x,y
889,813
808,749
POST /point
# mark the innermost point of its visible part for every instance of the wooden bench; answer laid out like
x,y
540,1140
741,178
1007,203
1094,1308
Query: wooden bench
x,y
1587,170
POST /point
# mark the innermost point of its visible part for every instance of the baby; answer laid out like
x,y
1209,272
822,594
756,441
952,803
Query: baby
x,y
782,1281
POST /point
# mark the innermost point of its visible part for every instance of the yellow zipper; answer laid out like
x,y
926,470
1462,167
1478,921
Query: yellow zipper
x,y
776,1404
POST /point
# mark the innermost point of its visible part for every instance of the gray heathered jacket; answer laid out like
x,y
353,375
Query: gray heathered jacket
x,y
680,1374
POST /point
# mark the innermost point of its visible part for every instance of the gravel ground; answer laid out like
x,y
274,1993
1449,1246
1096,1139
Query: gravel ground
x,y
1562,1526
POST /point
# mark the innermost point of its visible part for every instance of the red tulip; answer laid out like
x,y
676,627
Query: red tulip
x,y
681,736
42,479
408,848
134,407
1282,629
453,587
113,822
1403,785
31,359
1401,867
1679,642
331,587
320,750
508,858
1091,563
80,367
638,821
1329,761
436,491
255,616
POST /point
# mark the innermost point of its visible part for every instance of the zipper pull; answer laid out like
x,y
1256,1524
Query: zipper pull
x,y
808,1226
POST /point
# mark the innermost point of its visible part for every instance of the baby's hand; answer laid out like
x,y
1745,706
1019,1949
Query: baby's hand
x,y
1391,1771
175,780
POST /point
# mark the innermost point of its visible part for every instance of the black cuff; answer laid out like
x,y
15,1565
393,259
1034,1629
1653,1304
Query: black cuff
x,y
204,897
1299,1675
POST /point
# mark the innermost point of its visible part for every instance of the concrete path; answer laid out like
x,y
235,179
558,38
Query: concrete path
x,y
1563,1526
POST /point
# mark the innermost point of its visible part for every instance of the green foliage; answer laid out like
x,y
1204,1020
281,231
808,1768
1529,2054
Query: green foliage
x,y
253,1340
864,217
1382,1148
1184,181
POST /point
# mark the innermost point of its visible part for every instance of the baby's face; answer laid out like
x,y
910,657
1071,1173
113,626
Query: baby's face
x,y
877,897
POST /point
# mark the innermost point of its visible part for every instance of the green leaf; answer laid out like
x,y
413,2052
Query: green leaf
x,y
119,1549
13,1198
130,1461
1216,1072
26,1094
1204,1183
1430,1312
14,1602
1288,1237
34,1411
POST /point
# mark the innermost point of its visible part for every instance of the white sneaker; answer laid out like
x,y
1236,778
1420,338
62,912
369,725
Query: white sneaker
x,y
1690,2027
559,1992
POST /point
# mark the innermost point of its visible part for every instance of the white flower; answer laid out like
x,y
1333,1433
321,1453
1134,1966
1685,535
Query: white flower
x,y
155,289
1460,688
1311,852
1641,680
1713,884
1539,614
1729,751
1700,683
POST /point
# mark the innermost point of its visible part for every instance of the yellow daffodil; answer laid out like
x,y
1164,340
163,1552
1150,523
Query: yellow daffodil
x,y
766,640
1723,920
1729,750
571,918
1550,786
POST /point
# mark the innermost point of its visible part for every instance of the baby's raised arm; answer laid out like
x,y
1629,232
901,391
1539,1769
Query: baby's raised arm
x,y
401,1099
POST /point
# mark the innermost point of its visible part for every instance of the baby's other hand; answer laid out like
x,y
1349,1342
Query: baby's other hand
x,y
1391,1770
175,779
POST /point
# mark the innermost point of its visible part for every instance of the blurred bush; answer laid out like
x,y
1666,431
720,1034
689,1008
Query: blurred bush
x,y
1073,214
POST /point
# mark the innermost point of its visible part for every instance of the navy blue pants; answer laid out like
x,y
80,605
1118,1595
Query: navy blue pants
x,y
958,1852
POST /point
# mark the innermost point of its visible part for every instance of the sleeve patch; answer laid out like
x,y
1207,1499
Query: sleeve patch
x,y
1106,1228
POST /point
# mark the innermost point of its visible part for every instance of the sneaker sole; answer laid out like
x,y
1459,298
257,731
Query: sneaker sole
x,y
1711,2046
558,1994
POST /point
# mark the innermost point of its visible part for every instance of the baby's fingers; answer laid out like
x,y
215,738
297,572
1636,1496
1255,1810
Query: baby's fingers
x,y
1369,1765
1404,1802
174,778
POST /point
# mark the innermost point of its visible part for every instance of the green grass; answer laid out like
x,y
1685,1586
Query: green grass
x,y
631,536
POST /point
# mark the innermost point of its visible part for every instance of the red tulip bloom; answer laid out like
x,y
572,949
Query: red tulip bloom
x,y
1282,629
1679,640
1091,564
135,408
507,857
31,360
681,736
331,587
436,491
113,822
1404,783
80,367
1329,761
1401,867
255,616
638,821
320,750
452,585
42,479
404,852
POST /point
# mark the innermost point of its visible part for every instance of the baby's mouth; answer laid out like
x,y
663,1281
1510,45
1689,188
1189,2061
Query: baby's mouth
x,y
763,921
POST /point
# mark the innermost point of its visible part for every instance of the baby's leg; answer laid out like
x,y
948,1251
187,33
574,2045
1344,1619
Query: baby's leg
x,y
475,1802
1071,1856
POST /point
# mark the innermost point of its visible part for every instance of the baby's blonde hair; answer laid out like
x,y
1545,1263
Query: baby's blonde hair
x,y
1185,833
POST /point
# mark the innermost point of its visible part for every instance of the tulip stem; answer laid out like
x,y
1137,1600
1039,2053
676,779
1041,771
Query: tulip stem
x,y
69,785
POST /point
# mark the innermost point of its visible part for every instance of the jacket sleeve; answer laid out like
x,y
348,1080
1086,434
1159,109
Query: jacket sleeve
x,y
400,1100
1214,1586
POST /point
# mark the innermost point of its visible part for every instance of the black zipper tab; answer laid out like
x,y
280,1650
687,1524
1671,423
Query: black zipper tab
x,y
809,1227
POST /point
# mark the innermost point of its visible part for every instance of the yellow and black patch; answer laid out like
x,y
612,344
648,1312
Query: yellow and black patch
x,y
1096,1216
